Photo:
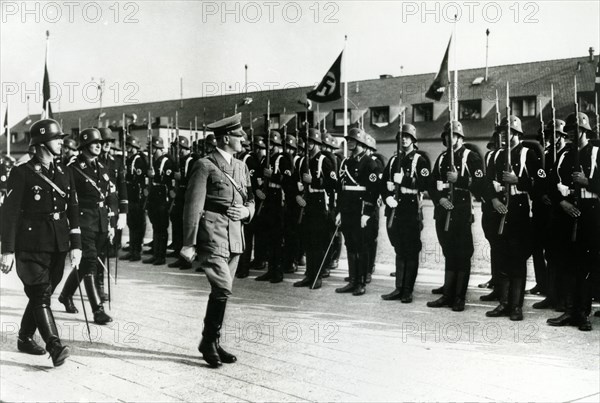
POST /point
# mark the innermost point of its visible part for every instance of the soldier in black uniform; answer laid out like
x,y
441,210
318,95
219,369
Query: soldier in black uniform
x,y
457,243
332,261
277,176
260,240
6,165
489,225
186,162
161,175
251,160
291,230
575,193
40,226
514,245
92,183
318,180
404,178
543,216
372,237
357,207
117,202
70,150
135,177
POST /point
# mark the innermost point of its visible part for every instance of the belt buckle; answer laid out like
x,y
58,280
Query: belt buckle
x,y
56,216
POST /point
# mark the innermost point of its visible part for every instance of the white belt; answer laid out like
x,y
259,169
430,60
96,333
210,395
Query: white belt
x,y
586,194
354,188
514,191
274,185
311,190
409,191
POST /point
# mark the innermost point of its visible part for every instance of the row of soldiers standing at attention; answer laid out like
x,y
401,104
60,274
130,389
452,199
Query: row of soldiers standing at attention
x,y
308,196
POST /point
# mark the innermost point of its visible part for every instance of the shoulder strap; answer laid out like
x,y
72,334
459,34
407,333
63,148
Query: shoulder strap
x,y
463,165
523,161
48,181
92,182
413,167
236,186
320,165
593,161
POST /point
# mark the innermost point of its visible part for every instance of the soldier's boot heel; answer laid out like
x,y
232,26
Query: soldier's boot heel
x,y
68,303
209,352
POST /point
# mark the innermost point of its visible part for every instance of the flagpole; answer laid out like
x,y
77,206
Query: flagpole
x,y
7,132
455,73
45,107
345,94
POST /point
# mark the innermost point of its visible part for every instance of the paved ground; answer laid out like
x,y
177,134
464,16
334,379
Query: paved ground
x,y
300,345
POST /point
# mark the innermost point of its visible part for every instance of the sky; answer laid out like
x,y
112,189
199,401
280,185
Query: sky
x,y
143,50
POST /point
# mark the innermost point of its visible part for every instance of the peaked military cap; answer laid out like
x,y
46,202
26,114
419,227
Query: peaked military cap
x,y
231,125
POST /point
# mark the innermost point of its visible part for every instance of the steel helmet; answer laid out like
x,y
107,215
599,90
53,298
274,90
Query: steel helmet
x,y
275,138
410,130
44,130
582,118
107,134
358,135
515,124
89,136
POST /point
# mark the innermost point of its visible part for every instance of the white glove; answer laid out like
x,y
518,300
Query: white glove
x,y
398,177
301,202
338,220
391,202
75,256
121,221
260,194
188,253
363,220
390,186
6,262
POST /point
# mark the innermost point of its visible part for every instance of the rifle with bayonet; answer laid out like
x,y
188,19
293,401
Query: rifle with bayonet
x,y
268,155
576,164
150,161
507,161
450,154
554,139
398,165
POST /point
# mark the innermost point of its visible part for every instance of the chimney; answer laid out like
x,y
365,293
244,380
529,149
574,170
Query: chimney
x,y
591,51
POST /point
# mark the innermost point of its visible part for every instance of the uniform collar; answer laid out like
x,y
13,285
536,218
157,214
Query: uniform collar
x,y
226,156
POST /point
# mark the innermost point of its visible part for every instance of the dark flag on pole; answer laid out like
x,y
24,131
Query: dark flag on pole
x,y
330,87
441,80
46,94
597,86
6,122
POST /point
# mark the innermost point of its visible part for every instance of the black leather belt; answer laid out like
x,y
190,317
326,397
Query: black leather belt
x,y
94,205
216,208
45,216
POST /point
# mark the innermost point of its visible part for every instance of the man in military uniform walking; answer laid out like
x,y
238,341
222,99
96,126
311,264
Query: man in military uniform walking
x,y
318,180
135,176
40,227
161,174
575,193
466,175
219,201
357,206
404,178
92,184
186,162
513,242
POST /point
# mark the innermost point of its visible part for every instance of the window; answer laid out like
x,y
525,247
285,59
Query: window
x,y
274,117
302,117
469,110
587,102
380,115
523,107
338,118
423,112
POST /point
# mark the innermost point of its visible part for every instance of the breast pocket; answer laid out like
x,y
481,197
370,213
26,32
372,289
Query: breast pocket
x,y
207,227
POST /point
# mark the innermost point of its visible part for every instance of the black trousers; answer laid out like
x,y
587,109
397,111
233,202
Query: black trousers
x,y
177,224
357,240
291,234
314,237
158,213
136,221
273,229
457,246
40,272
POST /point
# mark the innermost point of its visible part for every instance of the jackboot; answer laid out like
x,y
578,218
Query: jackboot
x,y
210,334
410,277
352,276
47,327
100,285
25,342
516,294
100,317
226,358
66,295
360,286
501,286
